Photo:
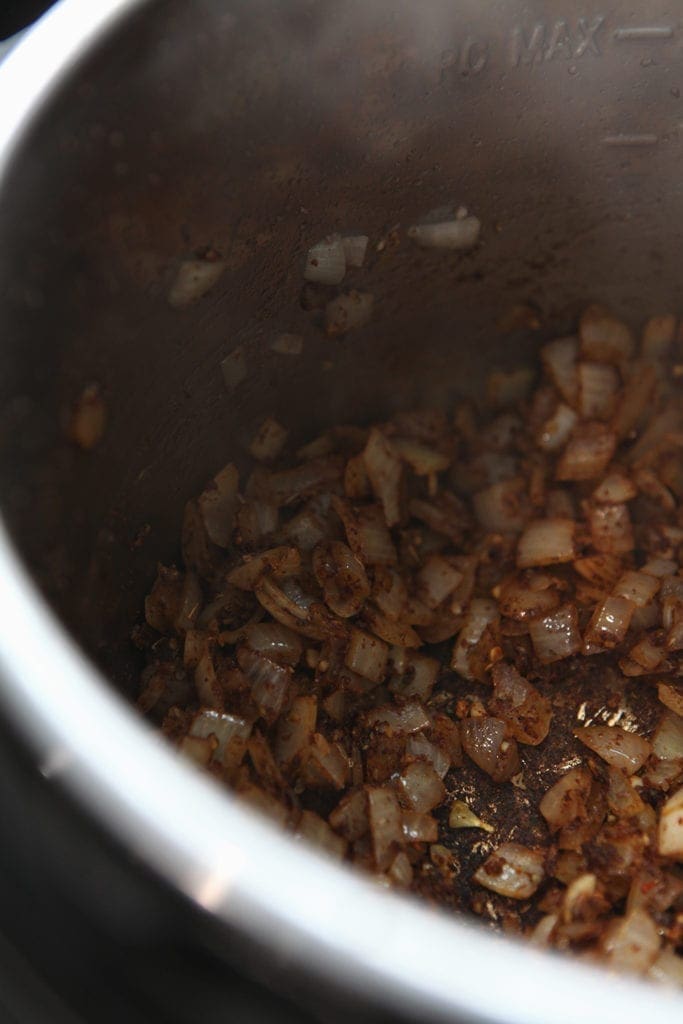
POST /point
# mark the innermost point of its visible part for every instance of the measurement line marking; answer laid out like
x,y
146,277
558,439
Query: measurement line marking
x,y
648,32
631,139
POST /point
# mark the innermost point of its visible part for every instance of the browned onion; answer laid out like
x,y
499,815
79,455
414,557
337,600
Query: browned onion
x,y
616,746
519,704
485,741
342,577
546,542
513,870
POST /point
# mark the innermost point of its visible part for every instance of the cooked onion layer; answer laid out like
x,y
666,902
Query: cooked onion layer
x,y
449,648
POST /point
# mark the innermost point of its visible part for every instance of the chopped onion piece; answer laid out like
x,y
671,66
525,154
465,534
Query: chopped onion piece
x,y
367,656
398,634
295,729
484,740
588,452
194,278
326,261
546,542
384,470
269,441
348,312
598,389
609,624
315,830
420,787
326,764
342,577
513,870
528,595
448,234
632,942
667,968
557,430
659,567
556,636
290,485
419,827
503,507
230,733
350,816
462,816
566,801
269,681
355,248
611,530
416,677
616,746
604,338
670,838
635,398
208,687
275,641
437,579
386,825
367,533
519,704
281,561
198,749
419,746
401,718
667,740
638,587
615,489
559,358
445,514
218,504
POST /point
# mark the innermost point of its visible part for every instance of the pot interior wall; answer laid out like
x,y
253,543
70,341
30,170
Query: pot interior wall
x,y
257,127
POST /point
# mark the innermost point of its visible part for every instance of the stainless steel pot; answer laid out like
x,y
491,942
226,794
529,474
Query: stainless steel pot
x,y
133,133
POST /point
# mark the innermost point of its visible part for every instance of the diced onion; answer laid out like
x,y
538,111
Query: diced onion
x,y
638,587
598,389
513,870
519,704
230,732
556,636
350,816
355,248
671,697
342,577
632,943
281,561
528,595
419,827
367,656
503,507
559,358
420,787
546,542
615,489
386,825
326,261
604,338
403,718
348,312
588,452
218,504
269,681
422,460
269,441
384,470
557,430
467,653
194,278
295,729
484,740
609,624
616,746
611,530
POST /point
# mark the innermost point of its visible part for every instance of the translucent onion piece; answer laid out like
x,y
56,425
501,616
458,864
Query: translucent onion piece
x,y
609,624
386,825
269,681
269,441
437,579
667,968
588,452
559,358
306,529
400,872
448,234
419,828
367,656
326,261
350,816
290,485
416,677
385,472
400,718
326,765
342,577
638,587
462,816
420,787
670,836
390,593
218,504
602,570
419,746
598,389
198,749
295,729
671,697
280,561
446,514
615,489
275,641
632,943
230,732
348,312
557,430
667,739
356,482
617,747
397,634
635,399
288,344
659,567
503,507
611,530
484,740
658,336
566,801
513,870
528,595
194,278
508,388
604,338
519,704
546,542
556,636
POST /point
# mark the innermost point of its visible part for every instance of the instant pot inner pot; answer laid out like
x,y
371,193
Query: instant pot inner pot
x,y
257,128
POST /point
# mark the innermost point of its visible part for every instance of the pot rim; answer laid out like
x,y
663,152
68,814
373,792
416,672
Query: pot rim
x,y
303,908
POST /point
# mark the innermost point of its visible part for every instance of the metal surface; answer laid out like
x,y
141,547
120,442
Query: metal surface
x,y
139,133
